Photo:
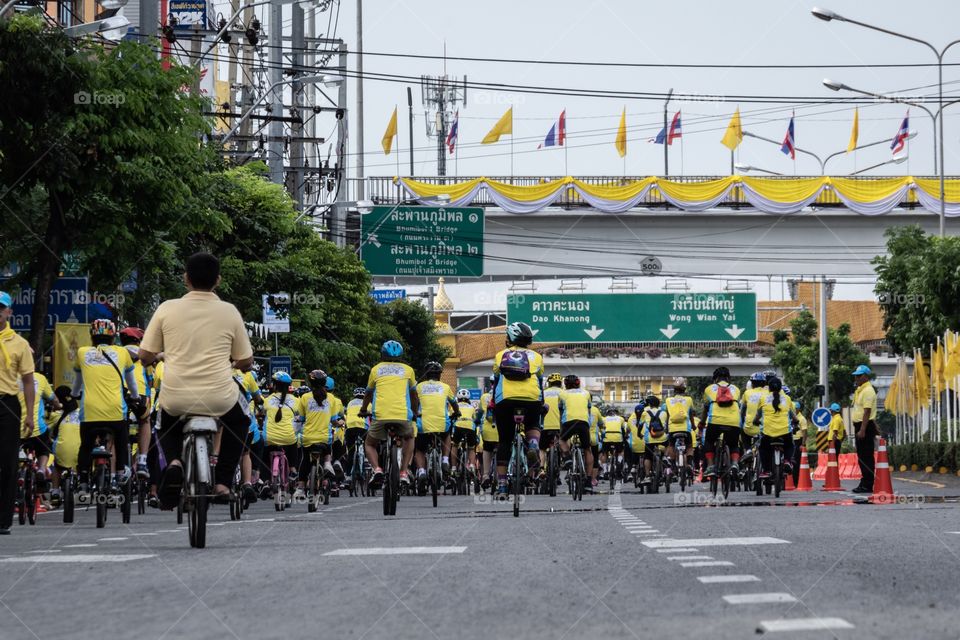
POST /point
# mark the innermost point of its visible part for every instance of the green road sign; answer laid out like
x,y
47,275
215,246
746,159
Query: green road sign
x,y
637,317
422,241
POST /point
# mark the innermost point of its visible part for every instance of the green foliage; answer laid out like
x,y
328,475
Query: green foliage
x,y
918,287
799,360
417,333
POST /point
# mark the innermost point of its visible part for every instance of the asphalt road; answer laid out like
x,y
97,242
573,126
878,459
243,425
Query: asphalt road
x,y
612,566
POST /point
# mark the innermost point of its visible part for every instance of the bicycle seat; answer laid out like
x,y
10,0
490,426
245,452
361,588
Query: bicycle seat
x,y
200,424
100,453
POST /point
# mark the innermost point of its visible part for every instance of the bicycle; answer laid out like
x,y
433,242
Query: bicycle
x,y
318,481
359,472
434,469
684,473
68,489
198,432
549,485
28,498
237,506
279,474
615,465
517,469
778,474
391,471
721,480
657,475
100,490
578,471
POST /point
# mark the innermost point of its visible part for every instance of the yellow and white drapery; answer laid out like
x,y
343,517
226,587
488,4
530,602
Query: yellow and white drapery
x,y
769,195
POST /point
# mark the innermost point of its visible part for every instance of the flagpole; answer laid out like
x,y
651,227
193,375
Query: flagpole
x,y
511,156
397,134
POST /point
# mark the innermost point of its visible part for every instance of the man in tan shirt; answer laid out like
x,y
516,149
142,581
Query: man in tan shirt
x,y
16,365
201,339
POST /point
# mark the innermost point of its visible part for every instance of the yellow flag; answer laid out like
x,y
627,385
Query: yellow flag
x,y
890,402
68,338
504,126
952,367
621,141
855,132
390,133
937,357
921,380
734,133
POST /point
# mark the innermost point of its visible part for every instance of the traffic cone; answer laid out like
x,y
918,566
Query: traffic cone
x,y
882,482
788,486
804,483
833,472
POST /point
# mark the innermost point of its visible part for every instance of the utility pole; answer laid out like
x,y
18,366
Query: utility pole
x,y
196,48
275,151
824,365
149,16
232,77
666,135
410,114
297,173
359,128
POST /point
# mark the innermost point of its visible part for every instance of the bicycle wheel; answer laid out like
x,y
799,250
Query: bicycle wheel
x,y
30,497
312,489
100,492
725,478
777,473
141,496
552,471
126,495
69,499
198,516
394,482
682,470
613,472
434,479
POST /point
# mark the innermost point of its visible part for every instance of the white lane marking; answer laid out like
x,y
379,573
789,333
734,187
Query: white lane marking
x,y
805,624
79,546
111,539
46,551
169,531
713,542
262,520
86,558
689,557
390,551
678,550
956,532
143,534
711,563
759,598
657,535
730,578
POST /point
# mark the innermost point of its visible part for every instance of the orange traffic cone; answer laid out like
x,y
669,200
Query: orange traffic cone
x,y
789,486
804,483
882,482
833,472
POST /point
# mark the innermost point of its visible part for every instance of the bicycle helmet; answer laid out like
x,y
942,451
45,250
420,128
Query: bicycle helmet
x,y
103,328
392,349
463,394
611,411
786,390
134,333
520,334
835,407
721,373
331,385
680,382
769,374
359,392
640,407
432,369
282,377
571,382
758,376
302,390
317,378
554,378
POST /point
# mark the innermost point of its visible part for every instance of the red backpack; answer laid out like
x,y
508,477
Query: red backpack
x,y
724,395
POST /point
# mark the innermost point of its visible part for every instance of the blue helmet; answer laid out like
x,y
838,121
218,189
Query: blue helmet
x,y
392,349
5,299
282,376
640,407
758,376
796,403
786,389
330,383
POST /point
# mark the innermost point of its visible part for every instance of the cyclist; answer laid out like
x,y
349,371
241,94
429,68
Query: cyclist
x,y
280,432
339,423
16,373
466,428
130,338
39,439
837,430
575,407
655,421
356,429
633,452
254,442
551,421
488,434
613,431
721,414
680,411
596,419
775,418
199,335
437,404
749,405
102,372
65,435
517,390
392,392
316,409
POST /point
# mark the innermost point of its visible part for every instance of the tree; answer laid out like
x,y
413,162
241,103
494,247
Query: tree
x,y
100,151
799,360
417,332
918,287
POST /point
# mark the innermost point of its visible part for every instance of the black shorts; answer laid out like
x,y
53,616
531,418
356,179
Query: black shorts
x,y
616,447
503,415
40,445
422,442
578,428
548,438
731,437
490,446
460,434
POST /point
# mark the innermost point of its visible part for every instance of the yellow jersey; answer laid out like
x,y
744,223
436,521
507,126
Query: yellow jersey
x,y
865,397
489,431
102,399
575,404
596,418
42,392
612,429
468,415
280,432
157,383
436,400
635,434
680,410
728,416
67,446
352,415
775,423
336,406
317,428
801,431
749,404
551,398
529,389
391,383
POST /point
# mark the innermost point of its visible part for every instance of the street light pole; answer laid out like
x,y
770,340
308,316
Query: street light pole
x,y
798,149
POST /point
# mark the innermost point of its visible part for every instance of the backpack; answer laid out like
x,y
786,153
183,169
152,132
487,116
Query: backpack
x,y
724,395
656,425
515,365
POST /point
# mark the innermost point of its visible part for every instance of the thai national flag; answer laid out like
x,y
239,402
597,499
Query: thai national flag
x,y
900,139
788,146
675,131
557,134
452,134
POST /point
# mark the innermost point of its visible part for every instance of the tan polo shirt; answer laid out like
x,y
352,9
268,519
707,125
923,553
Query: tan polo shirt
x,y
21,363
199,334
